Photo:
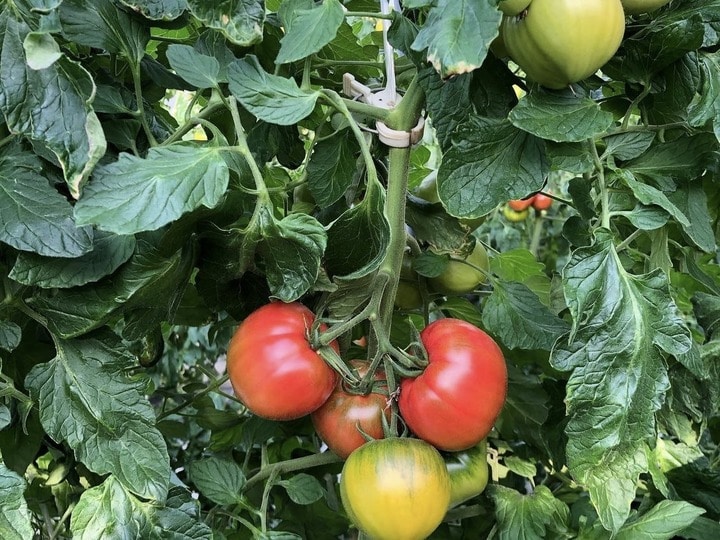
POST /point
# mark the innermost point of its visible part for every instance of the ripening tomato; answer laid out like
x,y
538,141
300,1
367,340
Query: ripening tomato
x,y
635,7
454,402
395,489
520,204
468,472
273,369
541,202
558,42
462,276
345,416
513,216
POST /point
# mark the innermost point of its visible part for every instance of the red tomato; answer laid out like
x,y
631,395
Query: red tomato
x,y
453,404
341,418
520,204
541,202
273,369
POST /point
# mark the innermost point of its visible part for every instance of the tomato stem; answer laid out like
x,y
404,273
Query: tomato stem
x,y
290,465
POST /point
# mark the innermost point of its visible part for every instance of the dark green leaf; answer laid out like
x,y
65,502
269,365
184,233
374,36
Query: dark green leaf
x,y
626,146
621,326
33,215
492,162
87,400
10,334
303,488
15,523
5,417
135,194
707,311
698,484
529,517
649,195
309,30
200,70
271,98
102,25
432,224
690,198
332,167
457,35
357,240
430,264
241,21
292,250
683,158
220,480
108,253
461,308
148,280
560,116
57,113
515,314
706,105
158,10
570,157
701,529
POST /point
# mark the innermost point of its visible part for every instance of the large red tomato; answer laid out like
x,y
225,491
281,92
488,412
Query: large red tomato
x,y
453,404
273,369
341,418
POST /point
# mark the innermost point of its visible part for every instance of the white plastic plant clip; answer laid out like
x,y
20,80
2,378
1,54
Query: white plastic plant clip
x,y
387,98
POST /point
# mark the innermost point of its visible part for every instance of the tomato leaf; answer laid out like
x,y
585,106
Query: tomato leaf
x,y
292,249
33,215
5,415
515,314
198,69
308,30
492,162
303,488
10,334
457,35
15,523
87,400
135,194
108,253
241,21
621,325
332,168
535,516
147,280
560,116
357,240
271,98
448,102
159,10
220,480
664,520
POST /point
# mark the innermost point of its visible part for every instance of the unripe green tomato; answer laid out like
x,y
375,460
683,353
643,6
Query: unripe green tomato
x,y
408,292
559,42
513,216
468,471
635,7
395,488
427,190
513,7
459,277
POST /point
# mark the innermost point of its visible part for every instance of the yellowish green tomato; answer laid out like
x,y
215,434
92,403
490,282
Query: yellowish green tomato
x,y
635,7
559,42
515,216
463,276
395,488
513,7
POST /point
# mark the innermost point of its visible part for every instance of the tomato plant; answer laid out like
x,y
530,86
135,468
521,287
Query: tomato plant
x,y
558,43
395,488
454,402
347,418
462,276
408,294
272,367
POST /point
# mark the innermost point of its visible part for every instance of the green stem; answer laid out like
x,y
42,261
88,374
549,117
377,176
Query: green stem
x,y
192,122
290,465
137,82
638,99
600,175
210,388
6,140
378,113
369,15
629,240
266,499
537,234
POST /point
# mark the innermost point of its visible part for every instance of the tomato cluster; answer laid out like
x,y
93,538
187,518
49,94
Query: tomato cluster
x,y
451,406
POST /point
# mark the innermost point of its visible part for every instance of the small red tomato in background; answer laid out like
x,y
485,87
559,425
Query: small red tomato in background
x,y
453,404
273,369
341,418
541,202
520,204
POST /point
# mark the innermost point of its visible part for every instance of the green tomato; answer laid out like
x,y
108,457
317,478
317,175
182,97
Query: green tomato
x,y
515,216
408,292
559,42
513,7
395,489
460,275
635,7
468,473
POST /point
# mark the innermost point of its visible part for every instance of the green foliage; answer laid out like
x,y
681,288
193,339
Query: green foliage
x,y
168,166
